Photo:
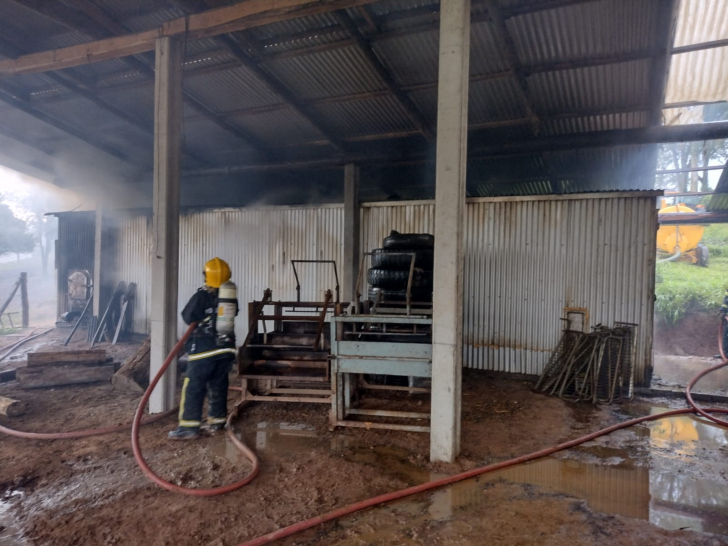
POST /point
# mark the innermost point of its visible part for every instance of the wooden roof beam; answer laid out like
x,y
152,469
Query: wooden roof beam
x,y
202,25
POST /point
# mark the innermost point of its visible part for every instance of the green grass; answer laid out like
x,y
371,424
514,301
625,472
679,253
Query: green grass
x,y
715,237
682,287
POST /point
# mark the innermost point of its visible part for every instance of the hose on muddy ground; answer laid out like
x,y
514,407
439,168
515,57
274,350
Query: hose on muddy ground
x,y
138,422
161,482
427,486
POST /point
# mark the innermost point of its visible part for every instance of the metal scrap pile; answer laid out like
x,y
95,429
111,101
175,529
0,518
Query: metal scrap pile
x,y
598,367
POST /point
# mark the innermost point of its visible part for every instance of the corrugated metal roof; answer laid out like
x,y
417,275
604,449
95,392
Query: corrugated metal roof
x,y
587,124
412,58
365,117
701,21
344,71
282,127
495,100
486,55
231,89
700,75
203,137
593,87
592,29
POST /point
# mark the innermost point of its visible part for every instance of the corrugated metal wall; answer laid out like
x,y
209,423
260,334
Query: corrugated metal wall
x,y
526,260
133,259
259,245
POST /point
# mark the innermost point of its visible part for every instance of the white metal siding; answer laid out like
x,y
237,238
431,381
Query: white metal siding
x,y
526,260
133,259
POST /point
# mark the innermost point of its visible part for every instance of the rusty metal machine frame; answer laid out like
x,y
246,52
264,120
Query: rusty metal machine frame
x,y
374,344
291,358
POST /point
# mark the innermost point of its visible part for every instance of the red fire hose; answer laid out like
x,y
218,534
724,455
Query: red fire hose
x,y
388,497
164,483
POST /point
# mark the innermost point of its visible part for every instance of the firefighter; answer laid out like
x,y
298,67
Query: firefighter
x,y
211,350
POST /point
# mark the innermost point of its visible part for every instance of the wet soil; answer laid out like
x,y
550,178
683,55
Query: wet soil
x,y
639,486
694,335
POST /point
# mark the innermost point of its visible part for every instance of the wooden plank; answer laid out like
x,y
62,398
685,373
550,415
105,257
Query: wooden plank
x,y
83,357
12,408
7,375
36,378
249,14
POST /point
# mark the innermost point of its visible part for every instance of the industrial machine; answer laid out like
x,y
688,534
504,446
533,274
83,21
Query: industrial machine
x,y
285,355
681,242
381,353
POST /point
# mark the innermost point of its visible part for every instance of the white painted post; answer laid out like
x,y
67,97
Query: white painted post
x,y
452,147
165,251
351,232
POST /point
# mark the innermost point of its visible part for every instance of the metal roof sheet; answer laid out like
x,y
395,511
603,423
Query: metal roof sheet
x,y
587,124
412,58
281,127
376,115
593,87
700,76
591,29
344,71
232,89
203,137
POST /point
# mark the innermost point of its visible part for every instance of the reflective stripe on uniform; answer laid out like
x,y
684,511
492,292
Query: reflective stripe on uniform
x,y
190,424
182,399
216,420
208,354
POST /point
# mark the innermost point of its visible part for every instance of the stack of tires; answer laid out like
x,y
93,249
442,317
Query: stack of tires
x,y
390,270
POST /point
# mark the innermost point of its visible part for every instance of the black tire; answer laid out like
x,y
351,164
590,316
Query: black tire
x,y
388,278
408,240
390,258
419,295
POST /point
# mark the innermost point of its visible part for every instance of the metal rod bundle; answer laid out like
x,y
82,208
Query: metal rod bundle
x,y
598,366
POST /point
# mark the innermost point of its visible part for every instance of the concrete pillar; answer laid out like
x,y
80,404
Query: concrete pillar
x,y
165,250
98,251
452,147
352,259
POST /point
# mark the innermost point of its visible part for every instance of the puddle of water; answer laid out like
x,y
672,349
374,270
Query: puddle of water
x,y
611,480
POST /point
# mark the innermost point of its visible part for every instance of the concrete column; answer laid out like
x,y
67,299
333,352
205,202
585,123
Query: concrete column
x,y
165,251
452,147
98,251
352,258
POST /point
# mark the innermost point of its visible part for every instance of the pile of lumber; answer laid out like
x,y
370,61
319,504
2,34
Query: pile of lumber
x,y
53,369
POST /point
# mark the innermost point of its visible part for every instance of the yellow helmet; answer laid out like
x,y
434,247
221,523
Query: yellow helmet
x,y
217,272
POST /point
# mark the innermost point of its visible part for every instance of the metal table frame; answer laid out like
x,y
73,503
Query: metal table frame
x,y
352,359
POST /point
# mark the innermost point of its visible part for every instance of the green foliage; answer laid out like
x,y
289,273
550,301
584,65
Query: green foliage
x,y
715,237
681,287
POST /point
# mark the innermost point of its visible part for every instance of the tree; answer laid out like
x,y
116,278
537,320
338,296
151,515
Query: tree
x,y
691,155
14,234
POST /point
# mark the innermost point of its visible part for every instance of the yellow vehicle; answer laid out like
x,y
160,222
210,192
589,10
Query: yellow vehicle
x,y
681,242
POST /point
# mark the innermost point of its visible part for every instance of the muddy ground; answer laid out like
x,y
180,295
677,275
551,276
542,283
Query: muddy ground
x,y
91,492
696,334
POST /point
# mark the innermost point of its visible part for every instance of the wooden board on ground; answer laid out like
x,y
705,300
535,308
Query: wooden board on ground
x,y
7,375
86,358
133,376
12,408
55,376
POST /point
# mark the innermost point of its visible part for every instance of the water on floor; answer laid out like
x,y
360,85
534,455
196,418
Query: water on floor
x,y
671,472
